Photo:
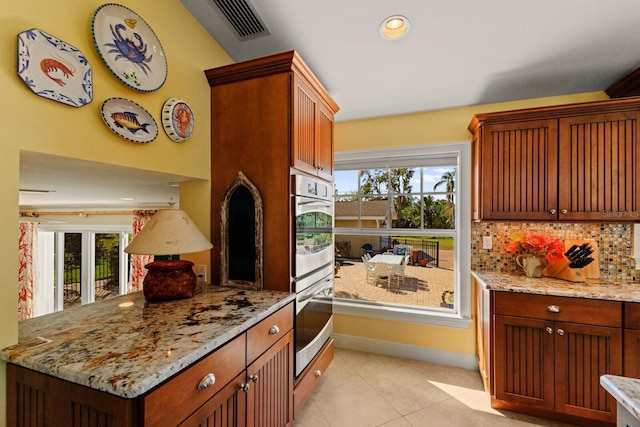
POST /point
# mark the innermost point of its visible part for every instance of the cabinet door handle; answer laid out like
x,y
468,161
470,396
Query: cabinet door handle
x,y
553,309
560,331
274,330
553,211
549,330
254,378
207,381
318,373
245,387
564,211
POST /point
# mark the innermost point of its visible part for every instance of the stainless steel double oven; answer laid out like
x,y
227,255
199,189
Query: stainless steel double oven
x,y
313,266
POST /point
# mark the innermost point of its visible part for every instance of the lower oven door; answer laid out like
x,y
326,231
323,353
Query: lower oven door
x,y
314,321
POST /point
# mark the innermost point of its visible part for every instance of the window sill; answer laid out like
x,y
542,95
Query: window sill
x,y
400,314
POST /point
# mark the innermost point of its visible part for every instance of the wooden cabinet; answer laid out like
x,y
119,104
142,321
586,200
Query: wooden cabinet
x,y
575,162
631,339
270,117
548,354
307,382
482,324
226,388
312,131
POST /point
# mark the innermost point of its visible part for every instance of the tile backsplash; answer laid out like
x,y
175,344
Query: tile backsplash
x,y
615,245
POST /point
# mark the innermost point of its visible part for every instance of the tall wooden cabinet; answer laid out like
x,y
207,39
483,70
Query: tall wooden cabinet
x,y
270,117
574,162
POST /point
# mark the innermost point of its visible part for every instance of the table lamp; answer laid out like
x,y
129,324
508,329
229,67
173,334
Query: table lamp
x,y
169,232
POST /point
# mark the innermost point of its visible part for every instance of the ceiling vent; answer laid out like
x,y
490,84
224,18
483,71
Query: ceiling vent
x,y
243,18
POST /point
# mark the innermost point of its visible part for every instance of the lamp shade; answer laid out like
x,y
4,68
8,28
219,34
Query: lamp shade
x,y
169,232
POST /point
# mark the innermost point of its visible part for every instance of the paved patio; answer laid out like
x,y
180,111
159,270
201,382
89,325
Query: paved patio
x,y
423,286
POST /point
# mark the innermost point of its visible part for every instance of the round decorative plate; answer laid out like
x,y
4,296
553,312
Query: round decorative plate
x,y
177,119
129,47
129,120
54,69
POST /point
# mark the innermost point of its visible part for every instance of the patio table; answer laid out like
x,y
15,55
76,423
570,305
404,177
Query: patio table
x,y
387,259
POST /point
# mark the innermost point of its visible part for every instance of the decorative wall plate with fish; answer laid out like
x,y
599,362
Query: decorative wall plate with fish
x,y
129,47
177,119
129,120
54,69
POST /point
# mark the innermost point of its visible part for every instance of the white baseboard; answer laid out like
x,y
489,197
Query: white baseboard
x,y
440,357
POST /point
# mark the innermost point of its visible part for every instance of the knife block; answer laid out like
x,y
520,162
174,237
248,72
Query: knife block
x,y
560,270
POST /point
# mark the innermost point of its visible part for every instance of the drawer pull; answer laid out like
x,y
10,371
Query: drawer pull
x,y
318,373
553,309
560,332
274,330
207,381
549,330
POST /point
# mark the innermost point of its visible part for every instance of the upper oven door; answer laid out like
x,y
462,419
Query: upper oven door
x,y
313,235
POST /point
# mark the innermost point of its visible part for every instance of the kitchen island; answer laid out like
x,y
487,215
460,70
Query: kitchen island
x,y
627,392
544,343
134,350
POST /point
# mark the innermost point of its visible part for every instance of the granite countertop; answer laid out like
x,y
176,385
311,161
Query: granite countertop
x,y
126,345
592,288
625,390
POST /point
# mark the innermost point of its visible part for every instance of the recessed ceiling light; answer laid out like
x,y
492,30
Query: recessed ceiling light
x,y
394,27
127,199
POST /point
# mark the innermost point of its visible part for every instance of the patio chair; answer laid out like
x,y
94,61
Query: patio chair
x,y
381,272
369,268
397,272
368,248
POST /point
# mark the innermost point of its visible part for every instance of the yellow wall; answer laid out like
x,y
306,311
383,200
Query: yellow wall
x,y
30,122
418,129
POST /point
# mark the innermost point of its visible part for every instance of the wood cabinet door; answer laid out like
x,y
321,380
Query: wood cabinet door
x,y
227,408
324,143
519,170
583,354
631,352
270,394
523,361
305,105
599,169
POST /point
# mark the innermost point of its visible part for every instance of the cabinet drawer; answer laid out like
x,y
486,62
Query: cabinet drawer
x,y
564,309
312,374
632,315
177,398
267,332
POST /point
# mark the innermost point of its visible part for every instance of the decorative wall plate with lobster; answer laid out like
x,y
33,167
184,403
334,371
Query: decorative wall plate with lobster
x,y
177,119
54,69
129,47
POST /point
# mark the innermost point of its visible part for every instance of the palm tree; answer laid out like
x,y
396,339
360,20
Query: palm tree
x,y
448,178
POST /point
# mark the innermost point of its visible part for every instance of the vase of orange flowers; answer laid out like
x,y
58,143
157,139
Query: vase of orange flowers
x,y
533,251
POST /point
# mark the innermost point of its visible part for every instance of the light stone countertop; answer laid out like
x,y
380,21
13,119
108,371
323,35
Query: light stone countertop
x,y
625,390
126,345
592,288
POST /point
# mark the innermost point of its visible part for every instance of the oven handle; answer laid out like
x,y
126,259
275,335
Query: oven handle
x,y
303,297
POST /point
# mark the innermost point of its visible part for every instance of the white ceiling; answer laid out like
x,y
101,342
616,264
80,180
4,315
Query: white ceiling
x,y
65,184
457,53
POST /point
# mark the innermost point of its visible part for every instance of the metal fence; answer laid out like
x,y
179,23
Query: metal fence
x,y
423,252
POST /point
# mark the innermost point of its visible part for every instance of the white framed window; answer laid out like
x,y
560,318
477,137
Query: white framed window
x,y
79,265
409,201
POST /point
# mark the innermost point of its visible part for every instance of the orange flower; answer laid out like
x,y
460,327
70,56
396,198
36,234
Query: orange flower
x,y
535,244
512,247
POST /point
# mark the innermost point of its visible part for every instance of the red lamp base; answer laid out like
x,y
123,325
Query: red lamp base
x,y
169,280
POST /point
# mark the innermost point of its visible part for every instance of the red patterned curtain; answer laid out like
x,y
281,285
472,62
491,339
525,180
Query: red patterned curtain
x,y
137,262
26,274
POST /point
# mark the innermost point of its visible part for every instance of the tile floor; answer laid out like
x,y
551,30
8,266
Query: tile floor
x,y
366,390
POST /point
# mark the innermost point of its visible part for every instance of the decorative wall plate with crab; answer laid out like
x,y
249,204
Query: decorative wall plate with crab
x,y
129,120
129,47
177,119
54,69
